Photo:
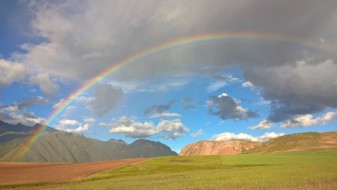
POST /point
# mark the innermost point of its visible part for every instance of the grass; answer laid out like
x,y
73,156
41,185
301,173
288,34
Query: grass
x,y
287,170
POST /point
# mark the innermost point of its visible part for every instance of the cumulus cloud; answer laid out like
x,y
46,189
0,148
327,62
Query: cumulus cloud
x,y
248,84
106,98
227,107
264,124
242,136
17,117
169,129
17,112
47,86
198,133
308,120
158,108
11,72
74,126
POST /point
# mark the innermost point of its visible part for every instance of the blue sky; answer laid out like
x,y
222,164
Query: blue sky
x,y
252,88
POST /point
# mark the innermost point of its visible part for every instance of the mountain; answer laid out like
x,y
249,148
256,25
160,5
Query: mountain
x,y
217,147
57,146
145,148
293,142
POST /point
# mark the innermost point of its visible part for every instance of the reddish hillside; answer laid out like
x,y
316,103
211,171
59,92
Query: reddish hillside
x,y
293,142
217,147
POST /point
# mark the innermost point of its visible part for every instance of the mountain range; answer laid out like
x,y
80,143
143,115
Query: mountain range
x,y
58,146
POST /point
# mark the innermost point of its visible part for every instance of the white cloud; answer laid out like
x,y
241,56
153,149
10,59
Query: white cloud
x,y
198,133
242,136
270,135
169,129
264,124
172,129
68,122
248,84
16,117
162,115
309,120
47,86
18,113
79,129
131,128
11,72
74,126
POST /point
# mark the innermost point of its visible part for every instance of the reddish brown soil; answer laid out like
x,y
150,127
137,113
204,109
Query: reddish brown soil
x,y
217,147
18,172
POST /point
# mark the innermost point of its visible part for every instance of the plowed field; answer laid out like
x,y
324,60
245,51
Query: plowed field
x,y
17,172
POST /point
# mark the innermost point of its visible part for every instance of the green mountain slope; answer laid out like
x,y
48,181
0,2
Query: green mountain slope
x,y
67,147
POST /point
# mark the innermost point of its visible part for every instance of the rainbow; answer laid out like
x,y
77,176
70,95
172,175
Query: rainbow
x,y
156,49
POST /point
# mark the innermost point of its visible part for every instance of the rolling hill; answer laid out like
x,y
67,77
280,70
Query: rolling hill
x,y
57,146
298,142
293,142
217,147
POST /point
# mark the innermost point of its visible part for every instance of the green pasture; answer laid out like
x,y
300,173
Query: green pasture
x,y
286,170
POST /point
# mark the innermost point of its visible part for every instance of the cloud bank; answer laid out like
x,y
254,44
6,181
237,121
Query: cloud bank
x,y
167,129
242,136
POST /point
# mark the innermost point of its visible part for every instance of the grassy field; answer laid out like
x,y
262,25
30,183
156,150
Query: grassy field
x,y
287,170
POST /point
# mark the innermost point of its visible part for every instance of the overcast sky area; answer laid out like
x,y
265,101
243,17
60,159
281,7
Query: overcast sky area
x,y
272,72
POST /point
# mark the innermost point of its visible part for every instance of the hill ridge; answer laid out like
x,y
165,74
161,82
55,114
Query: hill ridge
x,y
291,142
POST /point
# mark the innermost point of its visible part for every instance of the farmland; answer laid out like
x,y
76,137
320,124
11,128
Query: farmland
x,y
286,170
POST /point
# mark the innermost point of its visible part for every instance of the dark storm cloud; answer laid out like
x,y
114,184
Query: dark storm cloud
x,y
159,108
304,88
106,98
226,107
288,32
